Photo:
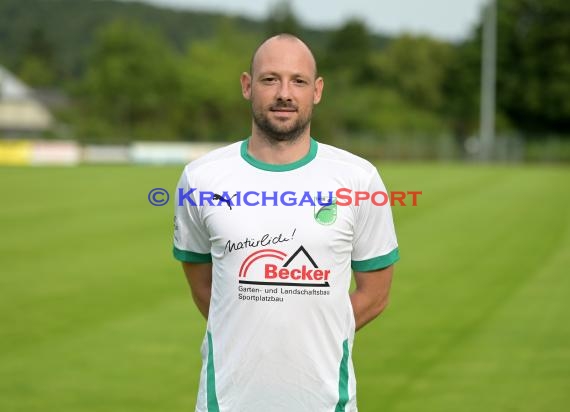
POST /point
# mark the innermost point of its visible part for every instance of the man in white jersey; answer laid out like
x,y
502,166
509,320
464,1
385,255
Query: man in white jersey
x,y
267,249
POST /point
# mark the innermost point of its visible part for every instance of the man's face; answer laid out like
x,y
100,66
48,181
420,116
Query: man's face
x,y
282,89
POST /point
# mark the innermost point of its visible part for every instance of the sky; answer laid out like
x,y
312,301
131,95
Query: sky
x,y
445,19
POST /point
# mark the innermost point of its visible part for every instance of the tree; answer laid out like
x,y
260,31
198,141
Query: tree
x,y
417,68
533,70
132,81
534,63
212,104
282,19
37,67
461,89
349,48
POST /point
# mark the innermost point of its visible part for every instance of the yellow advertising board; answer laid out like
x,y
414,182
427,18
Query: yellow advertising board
x,y
15,152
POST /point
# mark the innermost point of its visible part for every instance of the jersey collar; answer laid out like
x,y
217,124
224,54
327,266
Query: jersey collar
x,y
279,168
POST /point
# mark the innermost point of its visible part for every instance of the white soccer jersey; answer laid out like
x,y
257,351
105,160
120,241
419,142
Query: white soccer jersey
x,y
280,327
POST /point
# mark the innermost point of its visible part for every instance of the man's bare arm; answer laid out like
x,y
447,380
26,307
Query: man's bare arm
x,y
370,297
199,277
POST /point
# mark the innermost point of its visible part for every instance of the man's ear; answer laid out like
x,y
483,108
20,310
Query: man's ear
x,y
245,80
319,84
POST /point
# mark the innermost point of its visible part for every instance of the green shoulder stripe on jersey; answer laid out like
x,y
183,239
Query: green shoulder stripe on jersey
x,y
191,257
212,398
343,380
278,168
376,263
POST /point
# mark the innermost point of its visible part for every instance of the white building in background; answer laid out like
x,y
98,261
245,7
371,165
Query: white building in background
x,y
20,112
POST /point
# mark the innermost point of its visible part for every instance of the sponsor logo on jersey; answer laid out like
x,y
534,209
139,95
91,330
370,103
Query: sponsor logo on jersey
x,y
273,267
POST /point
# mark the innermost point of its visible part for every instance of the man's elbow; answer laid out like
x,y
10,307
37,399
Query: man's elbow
x,y
379,306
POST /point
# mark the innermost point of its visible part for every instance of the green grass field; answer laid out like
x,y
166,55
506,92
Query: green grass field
x,y
95,314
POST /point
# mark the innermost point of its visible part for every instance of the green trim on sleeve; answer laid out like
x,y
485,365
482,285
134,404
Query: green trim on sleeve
x,y
191,257
279,168
376,263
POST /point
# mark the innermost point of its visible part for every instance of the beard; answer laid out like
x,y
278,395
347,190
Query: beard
x,y
276,132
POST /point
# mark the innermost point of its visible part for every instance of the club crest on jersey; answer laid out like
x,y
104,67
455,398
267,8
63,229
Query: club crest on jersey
x,y
325,210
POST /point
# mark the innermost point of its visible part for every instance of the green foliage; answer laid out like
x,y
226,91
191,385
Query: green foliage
x,y
282,19
34,72
396,91
417,68
137,87
71,27
165,74
211,99
349,48
349,109
533,70
37,67
158,74
461,89
131,81
534,63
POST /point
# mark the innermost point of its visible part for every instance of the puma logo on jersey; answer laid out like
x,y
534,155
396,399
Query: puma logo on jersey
x,y
223,199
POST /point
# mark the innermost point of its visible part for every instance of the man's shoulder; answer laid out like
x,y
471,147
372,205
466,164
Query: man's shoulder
x,y
218,157
338,157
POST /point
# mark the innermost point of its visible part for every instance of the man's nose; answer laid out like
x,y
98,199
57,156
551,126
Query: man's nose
x,y
284,91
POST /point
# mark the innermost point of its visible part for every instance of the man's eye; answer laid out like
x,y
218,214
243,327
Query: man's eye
x,y
300,81
268,79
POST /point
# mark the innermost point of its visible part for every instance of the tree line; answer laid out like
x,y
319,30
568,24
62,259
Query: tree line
x,y
133,71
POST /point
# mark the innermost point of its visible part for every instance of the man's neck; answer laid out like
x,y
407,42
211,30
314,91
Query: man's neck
x,y
278,153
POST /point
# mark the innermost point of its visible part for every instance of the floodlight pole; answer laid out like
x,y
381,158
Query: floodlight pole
x,y
488,80
1,84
